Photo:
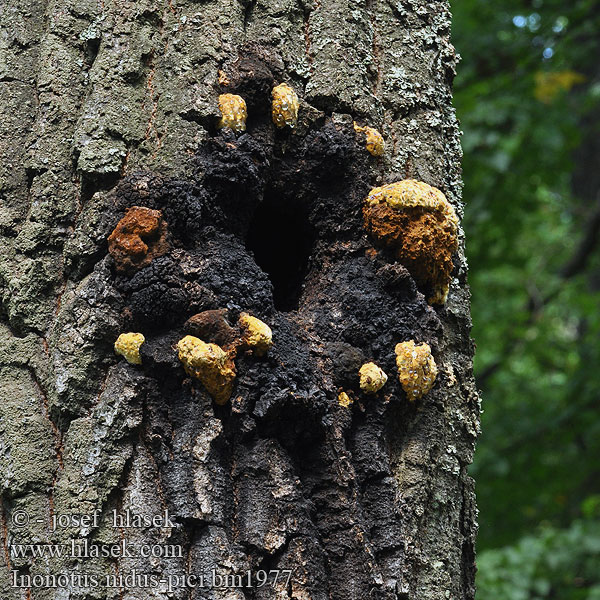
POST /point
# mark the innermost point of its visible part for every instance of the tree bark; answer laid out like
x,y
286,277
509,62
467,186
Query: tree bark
x,y
108,105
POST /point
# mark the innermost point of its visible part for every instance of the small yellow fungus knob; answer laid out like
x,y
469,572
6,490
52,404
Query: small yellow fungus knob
x,y
233,112
210,364
375,144
255,334
285,106
416,221
372,378
416,368
128,345
344,400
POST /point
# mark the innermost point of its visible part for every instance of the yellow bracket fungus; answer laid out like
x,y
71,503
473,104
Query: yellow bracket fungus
x,y
255,334
128,345
372,378
416,368
285,106
375,144
210,364
233,112
416,221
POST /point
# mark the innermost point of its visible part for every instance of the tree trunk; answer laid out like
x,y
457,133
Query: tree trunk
x,y
108,105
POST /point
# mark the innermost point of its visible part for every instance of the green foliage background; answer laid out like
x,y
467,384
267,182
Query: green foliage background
x,y
528,97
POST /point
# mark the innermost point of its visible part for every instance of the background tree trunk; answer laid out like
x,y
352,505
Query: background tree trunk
x,y
106,105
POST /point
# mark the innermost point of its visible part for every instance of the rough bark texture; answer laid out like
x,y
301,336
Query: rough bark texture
x,y
109,105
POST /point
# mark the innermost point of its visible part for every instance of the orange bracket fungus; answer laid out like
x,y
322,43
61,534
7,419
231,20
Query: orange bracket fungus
x,y
233,112
255,334
209,363
375,144
139,237
416,368
128,345
285,106
420,226
372,378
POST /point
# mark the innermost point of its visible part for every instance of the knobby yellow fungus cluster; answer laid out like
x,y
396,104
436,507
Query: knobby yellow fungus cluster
x,y
128,345
233,112
285,106
256,335
416,222
284,111
210,363
416,368
344,400
213,365
372,378
417,373
374,140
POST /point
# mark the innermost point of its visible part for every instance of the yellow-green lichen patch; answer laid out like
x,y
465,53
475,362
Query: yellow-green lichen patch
x,y
128,345
210,364
374,140
416,222
285,106
372,378
233,112
256,335
416,368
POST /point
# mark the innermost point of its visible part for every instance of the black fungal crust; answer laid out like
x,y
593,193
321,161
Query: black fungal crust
x,y
346,305
252,76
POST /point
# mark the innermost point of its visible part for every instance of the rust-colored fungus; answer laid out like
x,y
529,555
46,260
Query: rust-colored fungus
x,y
128,345
416,368
372,378
417,222
233,112
209,363
285,106
374,144
212,326
139,237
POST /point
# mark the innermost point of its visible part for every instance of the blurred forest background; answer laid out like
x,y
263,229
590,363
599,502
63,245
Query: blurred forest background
x,y
528,97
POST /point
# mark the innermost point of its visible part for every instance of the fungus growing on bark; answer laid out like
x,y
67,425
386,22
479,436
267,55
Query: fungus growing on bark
x,y
139,237
344,400
372,378
420,226
212,325
209,363
233,112
255,334
128,345
375,144
285,106
416,368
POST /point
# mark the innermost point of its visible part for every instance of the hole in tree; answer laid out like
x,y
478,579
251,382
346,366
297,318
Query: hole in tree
x,y
281,239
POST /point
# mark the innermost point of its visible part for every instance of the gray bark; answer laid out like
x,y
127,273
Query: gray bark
x,y
106,105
